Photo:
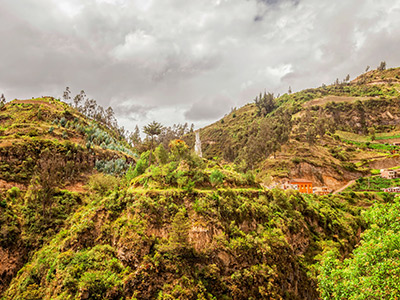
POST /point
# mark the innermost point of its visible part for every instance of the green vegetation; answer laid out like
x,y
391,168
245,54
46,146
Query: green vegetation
x,y
84,215
373,269
149,242
374,183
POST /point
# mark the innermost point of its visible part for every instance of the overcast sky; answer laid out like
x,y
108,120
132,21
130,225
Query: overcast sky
x,y
179,61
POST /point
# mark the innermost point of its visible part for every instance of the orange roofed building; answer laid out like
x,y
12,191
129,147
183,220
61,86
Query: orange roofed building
x,y
303,186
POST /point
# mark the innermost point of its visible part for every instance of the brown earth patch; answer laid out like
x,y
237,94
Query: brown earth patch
x,y
327,99
6,143
385,163
33,102
78,187
10,263
5,185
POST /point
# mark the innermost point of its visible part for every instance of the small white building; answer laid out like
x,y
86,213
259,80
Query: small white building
x,y
390,174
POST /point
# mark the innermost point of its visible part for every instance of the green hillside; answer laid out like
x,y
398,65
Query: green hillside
x,y
47,152
84,215
189,229
330,134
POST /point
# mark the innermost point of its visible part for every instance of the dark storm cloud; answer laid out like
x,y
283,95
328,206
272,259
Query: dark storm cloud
x,y
171,60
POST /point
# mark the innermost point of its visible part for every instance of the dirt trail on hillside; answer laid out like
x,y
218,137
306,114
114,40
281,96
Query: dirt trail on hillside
x,y
33,102
327,99
344,187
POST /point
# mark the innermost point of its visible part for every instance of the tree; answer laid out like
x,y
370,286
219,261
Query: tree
x,y
134,137
372,271
371,132
151,130
367,69
175,132
67,94
382,66
347,79
2,100
110,117
79,98
161,155
290,90
265,103
179,149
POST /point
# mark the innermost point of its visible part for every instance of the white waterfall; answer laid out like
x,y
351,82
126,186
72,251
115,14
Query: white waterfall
x,y
197,146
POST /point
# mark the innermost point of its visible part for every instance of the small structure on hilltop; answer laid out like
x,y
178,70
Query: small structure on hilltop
x,y
390,174
197,145
302,185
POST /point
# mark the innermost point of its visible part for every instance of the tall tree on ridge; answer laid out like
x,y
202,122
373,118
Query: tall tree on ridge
x,y
67,94
2,100
153,129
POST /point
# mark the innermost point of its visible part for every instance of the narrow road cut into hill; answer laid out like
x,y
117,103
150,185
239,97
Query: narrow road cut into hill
x,y
344,187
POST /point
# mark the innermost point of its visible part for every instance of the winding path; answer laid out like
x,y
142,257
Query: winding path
x,y
344,187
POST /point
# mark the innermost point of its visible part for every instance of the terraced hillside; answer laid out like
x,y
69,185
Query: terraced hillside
x,y
330,134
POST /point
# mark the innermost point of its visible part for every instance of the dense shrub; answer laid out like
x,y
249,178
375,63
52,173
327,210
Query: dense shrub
x,y
102,183
216,177
14,192
114,167
373,270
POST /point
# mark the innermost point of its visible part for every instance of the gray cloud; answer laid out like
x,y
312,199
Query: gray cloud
x,y
171,60
208,109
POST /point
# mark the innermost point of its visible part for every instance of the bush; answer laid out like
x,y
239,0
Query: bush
x,y
33,132
179,149
63,122
216,177
161,154
102,183
249,177
14,192
142,164
129,175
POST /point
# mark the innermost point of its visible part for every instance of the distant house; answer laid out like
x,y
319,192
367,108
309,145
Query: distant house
x,y
302,185
392,190
390,174
321,190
